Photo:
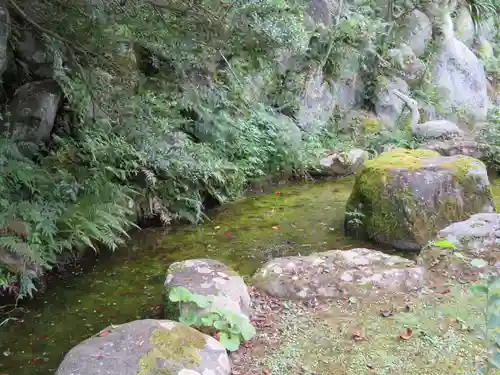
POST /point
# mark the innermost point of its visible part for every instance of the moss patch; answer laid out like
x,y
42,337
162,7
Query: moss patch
x,y
383,215
179,346
395,214
443,342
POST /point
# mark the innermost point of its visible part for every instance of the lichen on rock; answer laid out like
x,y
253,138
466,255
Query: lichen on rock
x,y
338,273
146,347
206,277
404,197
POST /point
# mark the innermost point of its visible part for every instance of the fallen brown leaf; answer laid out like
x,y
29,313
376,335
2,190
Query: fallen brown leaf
x,y
407,334
357,335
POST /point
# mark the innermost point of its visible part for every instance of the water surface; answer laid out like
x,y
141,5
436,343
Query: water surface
x,y
295,219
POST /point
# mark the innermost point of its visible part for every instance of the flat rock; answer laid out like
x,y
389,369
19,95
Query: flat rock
x,y
475,238
457,146
436,129
338,273
209,277
146,347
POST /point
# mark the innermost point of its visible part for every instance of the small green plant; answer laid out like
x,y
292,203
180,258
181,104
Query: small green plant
x,y
231,328
355,217
445,244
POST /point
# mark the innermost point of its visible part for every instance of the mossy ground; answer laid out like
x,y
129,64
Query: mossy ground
x,y
353,338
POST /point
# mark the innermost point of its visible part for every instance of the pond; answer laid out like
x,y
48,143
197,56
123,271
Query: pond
x,y
293,219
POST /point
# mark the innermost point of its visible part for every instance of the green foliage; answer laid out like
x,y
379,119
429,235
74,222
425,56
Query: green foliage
x,y
490,136
233,328
157,97
355,217
490,287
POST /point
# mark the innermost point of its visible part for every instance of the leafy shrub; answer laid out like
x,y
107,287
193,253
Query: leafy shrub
x,y
232,328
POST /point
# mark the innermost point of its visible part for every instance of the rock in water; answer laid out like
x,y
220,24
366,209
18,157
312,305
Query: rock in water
x,y
208,277
146,347
338,273
475,238
404,197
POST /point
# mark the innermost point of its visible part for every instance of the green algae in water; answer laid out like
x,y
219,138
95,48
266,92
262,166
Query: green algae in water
x,y
120,289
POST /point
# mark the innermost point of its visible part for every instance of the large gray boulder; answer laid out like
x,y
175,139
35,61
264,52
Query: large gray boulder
x,y
404,197
461,80
477,248
33,110
34,52
316,104
146,347
436,129
464,27
338,273
209,277
4,36
323,11
415,31
457,146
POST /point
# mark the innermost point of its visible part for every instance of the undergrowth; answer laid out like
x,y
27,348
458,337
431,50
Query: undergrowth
x,y
171,106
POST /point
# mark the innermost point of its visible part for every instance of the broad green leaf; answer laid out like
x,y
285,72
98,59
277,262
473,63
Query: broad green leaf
x,y
208,320
493,321
494,361
478,263
179,294
248,331
188,319
445,244
235,330
200,300
231,343
494,284
220,325
479,289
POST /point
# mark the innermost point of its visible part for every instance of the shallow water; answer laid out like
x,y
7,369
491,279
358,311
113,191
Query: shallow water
x,y
296,219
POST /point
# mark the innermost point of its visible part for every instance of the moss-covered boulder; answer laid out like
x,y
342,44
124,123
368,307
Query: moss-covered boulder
x,y
147,347
404,197
206,277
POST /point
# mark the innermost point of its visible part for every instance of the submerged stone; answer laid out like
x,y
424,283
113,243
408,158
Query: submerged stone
x,y
146,347
475,238
208,277
338,273
404,197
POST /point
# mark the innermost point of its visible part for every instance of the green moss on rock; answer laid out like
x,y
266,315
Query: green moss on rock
x,y
394,212
178,346
382,213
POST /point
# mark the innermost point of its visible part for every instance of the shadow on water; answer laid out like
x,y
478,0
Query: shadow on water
x,y
294,219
